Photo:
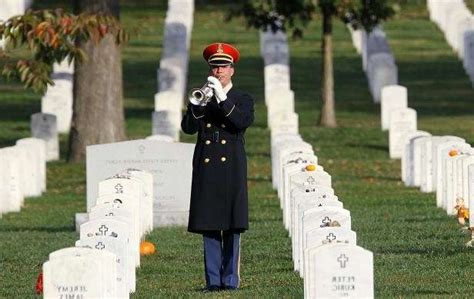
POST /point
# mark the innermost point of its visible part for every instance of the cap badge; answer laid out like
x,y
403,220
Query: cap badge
x,y
219,48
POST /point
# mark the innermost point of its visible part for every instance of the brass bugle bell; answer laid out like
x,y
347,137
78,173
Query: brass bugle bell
x,y
201,95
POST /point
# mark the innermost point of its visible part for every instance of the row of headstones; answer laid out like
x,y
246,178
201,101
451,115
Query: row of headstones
x,y
173,70
22,173
11,8
441,164
445,165
58,99
378,61
456,21
103,263
324,249
279,98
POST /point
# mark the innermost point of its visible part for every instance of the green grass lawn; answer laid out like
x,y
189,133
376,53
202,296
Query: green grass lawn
x,y
418,250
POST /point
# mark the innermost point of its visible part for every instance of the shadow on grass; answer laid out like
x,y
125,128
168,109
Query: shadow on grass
x,y
259,178
49,229
377,147
138,113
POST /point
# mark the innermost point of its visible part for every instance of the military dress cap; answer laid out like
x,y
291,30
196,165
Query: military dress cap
x,y
220,54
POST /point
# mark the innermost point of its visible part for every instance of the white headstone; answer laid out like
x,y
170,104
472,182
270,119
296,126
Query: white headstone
x,y
125,282
169,163
44,126
470,198
323,236
443,152
80,273
338,271
402,121
58,101
316,218
409,158
36,149
11,198
382,71
393,97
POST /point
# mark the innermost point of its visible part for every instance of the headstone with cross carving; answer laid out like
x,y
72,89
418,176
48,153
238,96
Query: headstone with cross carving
x,y
294,161
311,193
119,212
304,204
124,260
339,270
317,218
305,179
169,163
132,189
76,272
323,236
111,228
130,205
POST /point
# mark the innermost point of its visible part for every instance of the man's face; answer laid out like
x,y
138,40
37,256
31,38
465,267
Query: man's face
x,y
223,73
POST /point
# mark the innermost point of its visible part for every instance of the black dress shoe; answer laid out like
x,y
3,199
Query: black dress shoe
x,y
211,289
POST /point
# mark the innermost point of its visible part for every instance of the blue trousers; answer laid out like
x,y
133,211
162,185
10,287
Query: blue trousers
x,y
222,258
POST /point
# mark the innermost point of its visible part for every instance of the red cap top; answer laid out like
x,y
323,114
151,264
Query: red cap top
x,y
221,54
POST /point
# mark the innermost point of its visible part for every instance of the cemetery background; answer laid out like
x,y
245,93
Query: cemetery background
x,y
418,250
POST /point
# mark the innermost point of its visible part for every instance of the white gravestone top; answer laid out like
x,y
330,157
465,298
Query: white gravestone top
x,y
339,270
80,273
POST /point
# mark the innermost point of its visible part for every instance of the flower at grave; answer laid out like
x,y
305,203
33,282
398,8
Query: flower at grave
x,y
147,248
453,153
310,167
39,284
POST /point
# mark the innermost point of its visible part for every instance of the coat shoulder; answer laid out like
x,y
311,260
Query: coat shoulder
x,y
239,94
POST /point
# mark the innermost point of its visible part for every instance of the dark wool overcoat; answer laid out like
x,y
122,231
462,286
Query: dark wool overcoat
x,y
219,186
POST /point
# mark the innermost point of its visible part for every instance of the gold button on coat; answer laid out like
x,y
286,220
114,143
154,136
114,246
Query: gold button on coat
x,y
223,159
223,126
206,160
223,141
208,142
208,125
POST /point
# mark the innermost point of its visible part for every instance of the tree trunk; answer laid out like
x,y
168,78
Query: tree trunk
x,y
328,110
98,114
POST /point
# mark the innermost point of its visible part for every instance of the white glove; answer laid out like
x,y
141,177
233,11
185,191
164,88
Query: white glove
x,y
216,85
